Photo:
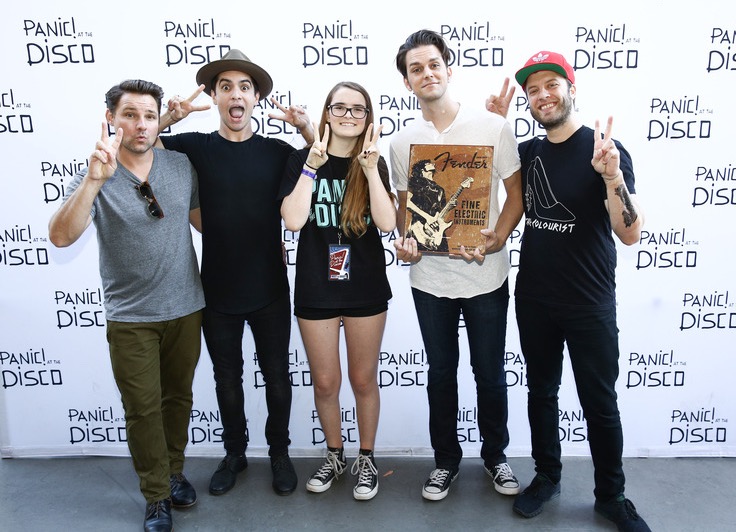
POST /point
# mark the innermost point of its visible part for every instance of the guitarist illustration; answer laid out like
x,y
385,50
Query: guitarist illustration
x,y
429,207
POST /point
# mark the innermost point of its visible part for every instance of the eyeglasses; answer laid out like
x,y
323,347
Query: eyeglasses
x,y
339,111
153,207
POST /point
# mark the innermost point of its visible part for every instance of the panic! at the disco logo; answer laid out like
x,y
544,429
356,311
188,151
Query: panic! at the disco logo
x,y
572,426
262,124
205,427
709,311
665,250
19,247
515,370
333,45
655,370
716,186
469,45
299,374
54,173
702,425
99,425
29,369
81,309
14,117
57,42
678,119
402,369
467,425
722,56
397,112
348,423
191,42
605,48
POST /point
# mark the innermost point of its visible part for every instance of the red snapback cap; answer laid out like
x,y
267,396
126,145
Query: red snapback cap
x,y
545,60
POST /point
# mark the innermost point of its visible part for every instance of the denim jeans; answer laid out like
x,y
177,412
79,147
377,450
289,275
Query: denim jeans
x,y
592,341
153,365
271,328
485,325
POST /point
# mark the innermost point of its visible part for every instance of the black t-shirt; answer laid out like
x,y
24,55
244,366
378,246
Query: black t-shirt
x,y
242,261
568,255
368,284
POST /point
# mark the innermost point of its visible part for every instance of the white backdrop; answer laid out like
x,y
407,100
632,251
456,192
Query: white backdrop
x,y
664,73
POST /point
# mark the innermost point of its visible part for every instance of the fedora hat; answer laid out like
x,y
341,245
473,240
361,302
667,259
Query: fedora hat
x,y
235,60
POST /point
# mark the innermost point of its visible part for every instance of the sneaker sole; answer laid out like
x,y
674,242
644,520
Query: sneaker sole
x,y
441,495
502,489
365,496
319,489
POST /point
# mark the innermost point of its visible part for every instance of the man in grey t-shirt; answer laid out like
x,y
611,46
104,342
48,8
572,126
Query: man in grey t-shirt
x,y
150,278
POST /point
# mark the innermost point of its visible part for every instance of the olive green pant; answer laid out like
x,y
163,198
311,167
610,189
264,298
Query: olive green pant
x,y
153,365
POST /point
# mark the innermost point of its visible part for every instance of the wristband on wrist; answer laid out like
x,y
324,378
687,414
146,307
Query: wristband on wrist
x,y
310,166
309,174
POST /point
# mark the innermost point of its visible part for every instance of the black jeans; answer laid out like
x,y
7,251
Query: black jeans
x,y
271,328
485,325
592,341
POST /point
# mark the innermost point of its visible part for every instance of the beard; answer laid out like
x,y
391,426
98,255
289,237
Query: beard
x,y
564,108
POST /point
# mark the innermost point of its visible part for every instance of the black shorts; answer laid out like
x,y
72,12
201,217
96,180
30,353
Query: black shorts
x,y
311,313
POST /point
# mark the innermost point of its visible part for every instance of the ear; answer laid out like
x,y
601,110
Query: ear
x,y
407,84
449,73
109,117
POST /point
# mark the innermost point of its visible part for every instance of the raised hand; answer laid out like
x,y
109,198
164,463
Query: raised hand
x,y
103,162
500,104
605,154
369,156
179,108
294,115
318,152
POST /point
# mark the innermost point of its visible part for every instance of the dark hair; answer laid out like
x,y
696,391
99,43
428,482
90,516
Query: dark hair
x,y
418,169
355,199
421,38
134,86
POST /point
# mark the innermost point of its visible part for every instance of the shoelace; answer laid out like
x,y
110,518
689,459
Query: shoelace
x,y
332,464
365,469
504,473
438,477
154,509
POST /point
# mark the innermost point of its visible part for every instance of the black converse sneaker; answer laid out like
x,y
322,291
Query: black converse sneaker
x,y
503,479
333,467
365,467
438,484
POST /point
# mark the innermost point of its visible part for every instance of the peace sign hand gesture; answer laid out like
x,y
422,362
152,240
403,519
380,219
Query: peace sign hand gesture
x,y
179,108
500,104
369,157
605,154
103,161
318,152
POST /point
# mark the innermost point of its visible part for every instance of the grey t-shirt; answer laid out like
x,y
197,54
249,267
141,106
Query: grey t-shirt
x,y
148,266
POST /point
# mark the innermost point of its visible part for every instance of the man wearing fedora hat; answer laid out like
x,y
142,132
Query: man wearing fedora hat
x,y
243,271
578,190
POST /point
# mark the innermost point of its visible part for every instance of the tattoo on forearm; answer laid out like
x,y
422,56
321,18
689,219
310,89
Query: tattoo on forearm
x,y
629,213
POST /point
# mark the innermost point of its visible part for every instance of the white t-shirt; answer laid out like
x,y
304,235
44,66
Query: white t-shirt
x,y
443,276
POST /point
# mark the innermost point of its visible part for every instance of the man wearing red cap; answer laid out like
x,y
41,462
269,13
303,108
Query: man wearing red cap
x,y
578,189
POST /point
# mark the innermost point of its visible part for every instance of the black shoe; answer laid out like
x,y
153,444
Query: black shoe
x,y
223,479
530,502
158,516
438,484
182,492
622,512
284,476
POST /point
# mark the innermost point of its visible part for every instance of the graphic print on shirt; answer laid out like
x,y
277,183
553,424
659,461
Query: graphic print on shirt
x,y
540,199
327,203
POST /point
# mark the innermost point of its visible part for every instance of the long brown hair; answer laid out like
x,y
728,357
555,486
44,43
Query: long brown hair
x,y
355,200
